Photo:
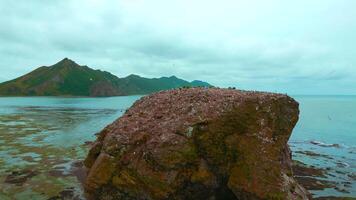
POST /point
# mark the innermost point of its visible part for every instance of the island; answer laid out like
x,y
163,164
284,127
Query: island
x,y
67,78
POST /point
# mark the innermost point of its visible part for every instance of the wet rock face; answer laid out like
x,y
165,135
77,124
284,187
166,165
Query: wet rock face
x,y
197,144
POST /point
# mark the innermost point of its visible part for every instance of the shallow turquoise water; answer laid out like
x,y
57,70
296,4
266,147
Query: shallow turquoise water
x,y
327,126
327,118
45,133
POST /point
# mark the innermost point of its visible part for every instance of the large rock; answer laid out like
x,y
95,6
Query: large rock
x,y
197,144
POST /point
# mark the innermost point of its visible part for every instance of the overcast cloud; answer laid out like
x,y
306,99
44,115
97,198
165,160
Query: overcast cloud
x,y
296,47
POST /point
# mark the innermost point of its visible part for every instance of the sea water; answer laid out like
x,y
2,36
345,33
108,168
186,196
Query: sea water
x,y
327,128
47,135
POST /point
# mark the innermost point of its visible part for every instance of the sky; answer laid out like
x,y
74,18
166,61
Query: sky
x,y
294,47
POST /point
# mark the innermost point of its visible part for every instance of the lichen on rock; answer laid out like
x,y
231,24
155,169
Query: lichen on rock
x,y
197,143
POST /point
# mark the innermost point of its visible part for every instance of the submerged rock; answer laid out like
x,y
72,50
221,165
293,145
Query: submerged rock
x,y
66,194
318,179
20,177
197,144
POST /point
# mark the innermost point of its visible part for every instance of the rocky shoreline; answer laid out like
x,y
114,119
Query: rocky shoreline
x,y
308,176
332,181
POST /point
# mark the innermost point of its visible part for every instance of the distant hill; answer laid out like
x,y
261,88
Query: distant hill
x,y
67,78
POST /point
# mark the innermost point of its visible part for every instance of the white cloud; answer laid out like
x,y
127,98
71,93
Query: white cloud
x,y
297,47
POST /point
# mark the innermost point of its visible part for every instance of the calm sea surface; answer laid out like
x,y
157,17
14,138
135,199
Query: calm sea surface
x,y
327,128
42,137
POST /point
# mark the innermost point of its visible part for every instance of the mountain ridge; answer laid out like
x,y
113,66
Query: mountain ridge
x,y
67,78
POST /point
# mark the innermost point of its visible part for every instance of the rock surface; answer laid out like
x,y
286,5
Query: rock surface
x,y
197,144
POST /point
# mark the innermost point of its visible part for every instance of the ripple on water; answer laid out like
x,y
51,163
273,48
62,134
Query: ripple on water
x,y
45,140
336,162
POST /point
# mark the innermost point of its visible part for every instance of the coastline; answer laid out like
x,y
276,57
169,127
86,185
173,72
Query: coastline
x,y
65,172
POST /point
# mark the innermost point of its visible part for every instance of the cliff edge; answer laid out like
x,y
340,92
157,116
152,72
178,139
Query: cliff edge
x,y
197,143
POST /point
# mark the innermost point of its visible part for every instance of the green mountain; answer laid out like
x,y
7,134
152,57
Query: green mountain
x,y
67,78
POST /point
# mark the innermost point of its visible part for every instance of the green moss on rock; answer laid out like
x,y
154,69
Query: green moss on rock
x,y
201,144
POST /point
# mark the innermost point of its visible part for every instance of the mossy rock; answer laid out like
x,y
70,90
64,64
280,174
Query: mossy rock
x,y
201,143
